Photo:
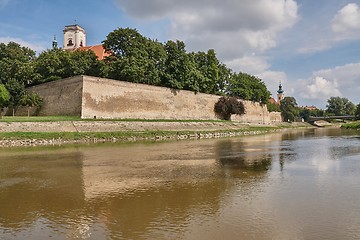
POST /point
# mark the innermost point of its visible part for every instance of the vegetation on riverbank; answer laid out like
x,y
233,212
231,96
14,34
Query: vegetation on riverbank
x,y
352,125
74,118
9,139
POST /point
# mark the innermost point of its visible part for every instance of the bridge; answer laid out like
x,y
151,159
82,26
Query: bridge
x,y
329,118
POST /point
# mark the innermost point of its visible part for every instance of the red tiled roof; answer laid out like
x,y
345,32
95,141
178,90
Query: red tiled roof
x,y
272,100
99,51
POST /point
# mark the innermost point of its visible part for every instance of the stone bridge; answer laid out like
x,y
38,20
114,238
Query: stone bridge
x,y
330,118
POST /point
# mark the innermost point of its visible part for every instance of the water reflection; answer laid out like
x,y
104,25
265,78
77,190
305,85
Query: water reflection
x,y
229,188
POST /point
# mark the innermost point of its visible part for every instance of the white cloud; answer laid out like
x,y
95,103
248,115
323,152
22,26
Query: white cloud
x,y
340,81
321,88
32,46
272,80
249,63
347,19
233,28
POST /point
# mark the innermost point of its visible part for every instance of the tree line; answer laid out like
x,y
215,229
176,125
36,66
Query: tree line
x,y
336,106
134,58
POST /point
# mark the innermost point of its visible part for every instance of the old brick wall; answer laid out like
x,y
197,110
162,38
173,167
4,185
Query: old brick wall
x,y
91,97
104,98
61,97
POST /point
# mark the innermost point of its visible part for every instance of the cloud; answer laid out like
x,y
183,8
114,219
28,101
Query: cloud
x,y
32,46
347,19
338,81
322,89
272,80
233,28
327,31
249,63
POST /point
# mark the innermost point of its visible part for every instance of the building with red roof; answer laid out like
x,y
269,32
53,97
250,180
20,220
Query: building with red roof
x,y
75,39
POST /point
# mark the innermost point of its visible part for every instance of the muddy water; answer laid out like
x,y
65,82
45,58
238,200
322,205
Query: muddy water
x,y
293,185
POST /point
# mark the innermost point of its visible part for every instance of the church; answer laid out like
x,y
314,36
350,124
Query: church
x,y
75,40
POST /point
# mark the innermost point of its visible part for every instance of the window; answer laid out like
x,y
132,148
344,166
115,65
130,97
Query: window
x,y
70,42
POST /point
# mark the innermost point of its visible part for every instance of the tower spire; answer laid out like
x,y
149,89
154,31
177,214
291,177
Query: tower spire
x,y
54,43
280,93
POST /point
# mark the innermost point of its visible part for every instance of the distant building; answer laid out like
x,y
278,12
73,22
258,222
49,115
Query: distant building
x,y
280,96
280,93
75,39
311,108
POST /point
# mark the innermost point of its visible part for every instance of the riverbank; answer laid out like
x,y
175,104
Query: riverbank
x,y
352,125
14,134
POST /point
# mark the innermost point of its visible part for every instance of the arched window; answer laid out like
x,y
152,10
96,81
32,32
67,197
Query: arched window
x,y
70,42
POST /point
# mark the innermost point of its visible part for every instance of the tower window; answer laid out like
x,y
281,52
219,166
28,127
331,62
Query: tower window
x,y
70,42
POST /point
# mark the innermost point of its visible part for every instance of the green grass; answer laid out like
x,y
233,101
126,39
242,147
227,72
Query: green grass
x,y
352,125
117,135
39,119
74,118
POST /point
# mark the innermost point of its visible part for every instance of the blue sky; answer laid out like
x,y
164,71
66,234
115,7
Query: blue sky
x,y
312,47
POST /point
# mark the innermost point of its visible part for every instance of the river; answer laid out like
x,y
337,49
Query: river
x,y
298,184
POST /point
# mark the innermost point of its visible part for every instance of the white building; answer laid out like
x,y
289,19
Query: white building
x,y
74,37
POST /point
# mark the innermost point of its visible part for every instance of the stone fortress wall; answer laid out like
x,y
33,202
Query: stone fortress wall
x,y
92,97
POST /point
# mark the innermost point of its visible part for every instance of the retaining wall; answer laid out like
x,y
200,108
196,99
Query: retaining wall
x,y
91,97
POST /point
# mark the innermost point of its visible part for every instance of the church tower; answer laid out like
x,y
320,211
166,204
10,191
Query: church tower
x,y
280,93
74,37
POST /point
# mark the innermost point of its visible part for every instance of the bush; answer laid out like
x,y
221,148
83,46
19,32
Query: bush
x,y
226,106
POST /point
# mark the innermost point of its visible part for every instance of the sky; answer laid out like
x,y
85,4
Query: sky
x,y
311,46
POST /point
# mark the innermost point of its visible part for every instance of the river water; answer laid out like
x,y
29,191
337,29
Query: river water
x,y
299,184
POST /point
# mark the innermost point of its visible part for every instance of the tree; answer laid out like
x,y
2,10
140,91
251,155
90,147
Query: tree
x,y
357,111
338,106
4,97
272,107
16,90
289,109
177,65
56,64
248,87
226,106
135,57
16,62
31,100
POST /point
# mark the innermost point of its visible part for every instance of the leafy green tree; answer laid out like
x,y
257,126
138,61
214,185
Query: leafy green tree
x,y
16,62
135,58
56,64
248,87
31,100
357,111
338,106
177,64
289,109
226,106
307,113
272,107
16,90
4,97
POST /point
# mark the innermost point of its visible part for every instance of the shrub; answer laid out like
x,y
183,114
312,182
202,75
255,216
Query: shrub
x,y
226,106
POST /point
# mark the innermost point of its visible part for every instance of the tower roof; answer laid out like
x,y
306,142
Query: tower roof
x,y
74,27
280,89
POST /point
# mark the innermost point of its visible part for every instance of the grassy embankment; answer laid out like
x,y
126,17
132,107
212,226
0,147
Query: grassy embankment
x,y
352,125
118,136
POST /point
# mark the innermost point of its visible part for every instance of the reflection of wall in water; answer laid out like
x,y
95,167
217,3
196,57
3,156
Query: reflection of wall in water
x,y
46,182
